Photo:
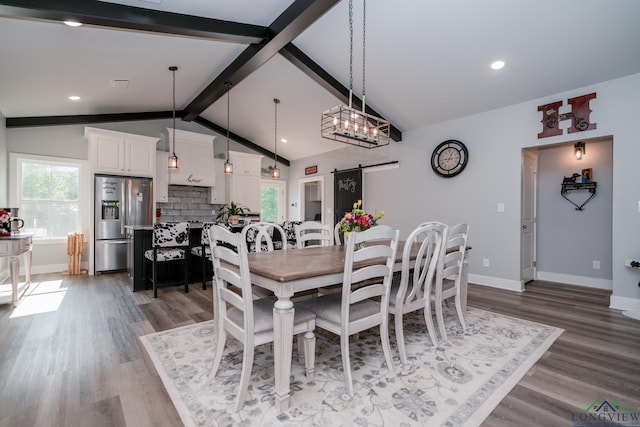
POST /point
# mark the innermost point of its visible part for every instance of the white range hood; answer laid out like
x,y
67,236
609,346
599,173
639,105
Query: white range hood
x,y
195,158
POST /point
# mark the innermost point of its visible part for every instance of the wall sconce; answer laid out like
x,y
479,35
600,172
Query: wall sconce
x,y
580,150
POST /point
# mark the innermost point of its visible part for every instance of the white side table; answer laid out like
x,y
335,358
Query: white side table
x,y
14,247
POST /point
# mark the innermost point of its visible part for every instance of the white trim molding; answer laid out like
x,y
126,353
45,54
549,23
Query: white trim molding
x,y
624,303
497,282
587,282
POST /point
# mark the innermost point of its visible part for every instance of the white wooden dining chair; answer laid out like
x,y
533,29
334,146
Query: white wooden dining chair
x,y
415,288
336,233
239,315
352,311
260,237
449,274
313,233
202,252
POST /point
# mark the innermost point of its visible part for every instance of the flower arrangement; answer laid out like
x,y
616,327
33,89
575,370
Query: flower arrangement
x,y
358,219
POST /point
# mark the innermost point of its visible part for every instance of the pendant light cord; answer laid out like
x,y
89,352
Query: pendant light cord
x,y
350,52
173,70
275,157
364,38
228,85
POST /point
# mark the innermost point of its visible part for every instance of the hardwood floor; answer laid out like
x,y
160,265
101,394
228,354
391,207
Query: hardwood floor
x,y
81,363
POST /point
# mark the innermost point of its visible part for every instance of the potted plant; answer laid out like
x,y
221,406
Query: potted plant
x,y
231,213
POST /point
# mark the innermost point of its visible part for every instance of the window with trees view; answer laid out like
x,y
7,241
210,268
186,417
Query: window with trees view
x,y
49,195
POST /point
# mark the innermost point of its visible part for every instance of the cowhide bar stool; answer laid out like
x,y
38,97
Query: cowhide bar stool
x,y
170,243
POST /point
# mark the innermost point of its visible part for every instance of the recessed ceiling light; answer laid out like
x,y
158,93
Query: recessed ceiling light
x,y
283,140
74,98
497,65
72,23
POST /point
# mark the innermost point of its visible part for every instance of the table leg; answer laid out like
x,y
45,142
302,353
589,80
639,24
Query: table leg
x,y
14,271
283,313
27,269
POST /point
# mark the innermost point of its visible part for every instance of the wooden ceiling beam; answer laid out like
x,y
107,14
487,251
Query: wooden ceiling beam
x,y
291,23
93,12
329,83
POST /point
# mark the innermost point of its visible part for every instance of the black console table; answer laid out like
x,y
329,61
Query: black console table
x,y
568,187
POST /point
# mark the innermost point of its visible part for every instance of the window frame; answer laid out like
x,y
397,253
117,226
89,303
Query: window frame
x,y
84,203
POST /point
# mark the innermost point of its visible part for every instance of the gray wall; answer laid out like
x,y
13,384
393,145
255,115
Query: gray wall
x,y
570,240
413,193
4,170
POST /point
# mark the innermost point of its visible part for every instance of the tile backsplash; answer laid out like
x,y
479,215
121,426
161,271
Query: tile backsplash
x,y
188,203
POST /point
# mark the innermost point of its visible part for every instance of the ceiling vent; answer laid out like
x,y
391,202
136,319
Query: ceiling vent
x,y
119,83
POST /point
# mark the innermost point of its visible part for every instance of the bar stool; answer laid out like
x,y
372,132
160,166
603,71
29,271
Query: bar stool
x,y
170,243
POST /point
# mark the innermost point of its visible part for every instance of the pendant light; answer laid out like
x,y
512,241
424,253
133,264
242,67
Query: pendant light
x,y
346,124
228,166
173,159
579,150
275,172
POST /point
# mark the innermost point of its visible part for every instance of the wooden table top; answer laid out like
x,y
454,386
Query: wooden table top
x,y
297,264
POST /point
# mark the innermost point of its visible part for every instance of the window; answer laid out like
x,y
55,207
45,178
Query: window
x,y
51,195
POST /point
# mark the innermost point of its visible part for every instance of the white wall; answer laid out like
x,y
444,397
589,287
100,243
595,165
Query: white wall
x,y
413,193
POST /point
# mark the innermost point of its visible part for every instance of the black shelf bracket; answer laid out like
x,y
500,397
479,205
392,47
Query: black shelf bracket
x,y
567,187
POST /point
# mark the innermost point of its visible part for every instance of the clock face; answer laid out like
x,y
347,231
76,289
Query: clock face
x,y
449,158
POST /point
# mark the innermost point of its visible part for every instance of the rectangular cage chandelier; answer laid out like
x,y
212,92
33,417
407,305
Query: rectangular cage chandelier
x,y
346,124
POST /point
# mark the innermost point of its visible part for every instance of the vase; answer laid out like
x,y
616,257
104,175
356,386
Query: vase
x,y
234,219
357,246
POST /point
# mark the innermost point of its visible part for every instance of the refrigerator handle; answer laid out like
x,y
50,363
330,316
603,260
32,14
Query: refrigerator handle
x,y
124,217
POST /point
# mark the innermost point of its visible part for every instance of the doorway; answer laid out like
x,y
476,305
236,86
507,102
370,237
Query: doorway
x,y
273,200
568,244
312,199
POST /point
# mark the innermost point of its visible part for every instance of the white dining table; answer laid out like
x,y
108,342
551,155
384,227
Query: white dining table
x,y
287,272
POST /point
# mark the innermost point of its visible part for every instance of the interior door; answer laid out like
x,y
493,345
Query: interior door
x,y
312,199
528,216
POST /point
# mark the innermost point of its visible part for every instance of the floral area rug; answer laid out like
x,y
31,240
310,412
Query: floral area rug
x,y
457,383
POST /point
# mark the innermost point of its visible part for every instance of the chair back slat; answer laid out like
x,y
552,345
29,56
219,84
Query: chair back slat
x,y
417,275
373,279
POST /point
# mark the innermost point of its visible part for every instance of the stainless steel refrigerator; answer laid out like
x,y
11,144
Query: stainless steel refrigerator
x,y
119,201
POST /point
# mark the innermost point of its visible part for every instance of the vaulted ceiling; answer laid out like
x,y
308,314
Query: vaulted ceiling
x,y
427,61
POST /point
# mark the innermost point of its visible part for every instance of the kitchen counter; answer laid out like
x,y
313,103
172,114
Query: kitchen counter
x,y
150,227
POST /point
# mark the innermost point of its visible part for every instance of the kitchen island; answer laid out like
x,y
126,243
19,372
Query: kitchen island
x,y
140,239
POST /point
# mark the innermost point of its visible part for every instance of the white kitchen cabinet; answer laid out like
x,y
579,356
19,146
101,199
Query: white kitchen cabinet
x,y
243,186
195,158
219,190
120,153
161,183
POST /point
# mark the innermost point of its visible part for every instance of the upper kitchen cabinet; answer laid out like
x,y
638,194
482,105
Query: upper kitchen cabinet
x,y
161,184
243,186
195,158
119,153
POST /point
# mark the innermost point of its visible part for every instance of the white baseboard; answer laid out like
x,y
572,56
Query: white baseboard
x,y
624,303
51,268
496,282
588,282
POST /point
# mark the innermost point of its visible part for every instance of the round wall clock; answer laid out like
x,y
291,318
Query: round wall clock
x,y
449,158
